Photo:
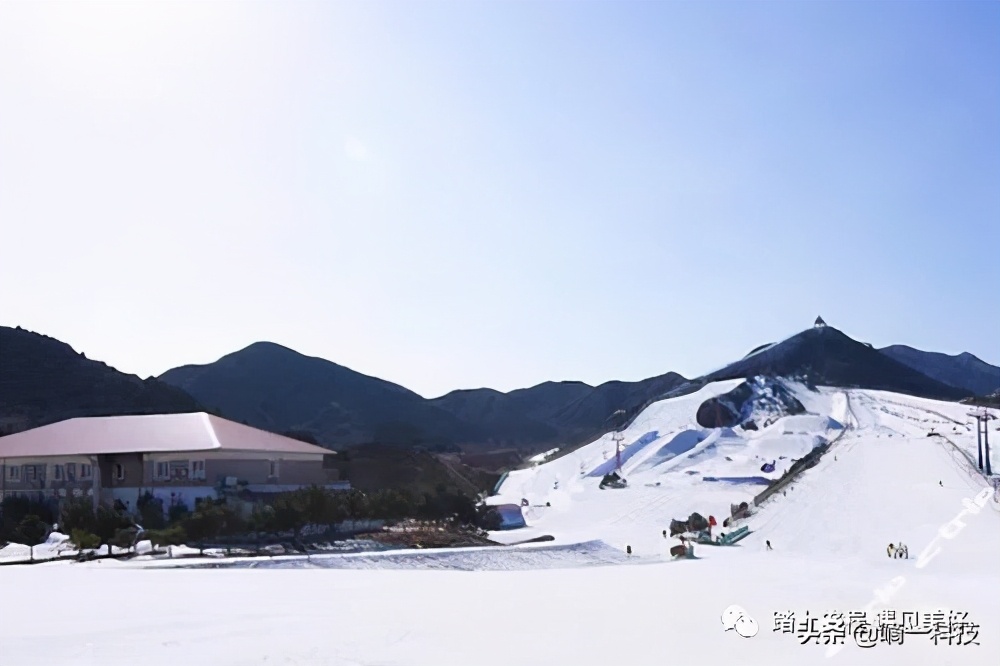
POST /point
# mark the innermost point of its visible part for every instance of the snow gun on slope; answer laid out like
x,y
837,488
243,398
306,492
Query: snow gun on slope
x,y
699,530
613,480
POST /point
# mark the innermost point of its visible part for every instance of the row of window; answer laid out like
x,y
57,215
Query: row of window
x,y
67,472
177,470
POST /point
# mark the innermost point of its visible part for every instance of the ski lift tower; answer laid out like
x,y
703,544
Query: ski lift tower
x,y
618,435
983,418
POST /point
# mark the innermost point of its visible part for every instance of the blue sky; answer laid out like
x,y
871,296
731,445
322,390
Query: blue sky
x,y
456,195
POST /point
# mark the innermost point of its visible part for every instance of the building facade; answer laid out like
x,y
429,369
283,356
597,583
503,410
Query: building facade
x,y
177,458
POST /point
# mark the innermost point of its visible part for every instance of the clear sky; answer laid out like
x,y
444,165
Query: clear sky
x,y
456,195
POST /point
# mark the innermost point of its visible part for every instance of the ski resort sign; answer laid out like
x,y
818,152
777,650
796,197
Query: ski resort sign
x,y
946,532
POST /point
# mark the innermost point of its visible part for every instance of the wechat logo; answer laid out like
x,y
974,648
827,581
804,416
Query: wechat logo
x,y
736,618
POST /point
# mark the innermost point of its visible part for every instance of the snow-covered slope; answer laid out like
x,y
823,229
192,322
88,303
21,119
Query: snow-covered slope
x,y
673,467
882,471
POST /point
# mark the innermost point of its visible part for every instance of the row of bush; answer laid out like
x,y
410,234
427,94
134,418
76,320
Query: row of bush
x,y
28,522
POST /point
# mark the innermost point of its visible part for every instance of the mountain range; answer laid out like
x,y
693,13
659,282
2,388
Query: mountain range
x,y
963,370
43,380
272,387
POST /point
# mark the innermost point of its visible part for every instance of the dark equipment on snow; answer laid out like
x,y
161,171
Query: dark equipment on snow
x,y
738,511
697,522
613,480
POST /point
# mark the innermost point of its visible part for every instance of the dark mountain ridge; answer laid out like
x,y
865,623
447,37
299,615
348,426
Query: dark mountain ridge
x,y
273,387
276,388
43,380
822,355
562,412
963,371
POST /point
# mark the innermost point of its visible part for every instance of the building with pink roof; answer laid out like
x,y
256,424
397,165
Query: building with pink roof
x,y
178,458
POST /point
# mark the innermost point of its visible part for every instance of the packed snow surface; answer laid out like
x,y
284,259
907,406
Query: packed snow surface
x,y
580,599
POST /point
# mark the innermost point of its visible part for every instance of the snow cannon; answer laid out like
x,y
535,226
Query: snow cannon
x,y
697,522
613,480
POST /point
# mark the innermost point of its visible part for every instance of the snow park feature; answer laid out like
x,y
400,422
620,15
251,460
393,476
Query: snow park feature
x,y
827,518
732,537
510,516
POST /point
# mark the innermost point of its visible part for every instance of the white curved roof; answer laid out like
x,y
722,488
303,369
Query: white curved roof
x,y
152,433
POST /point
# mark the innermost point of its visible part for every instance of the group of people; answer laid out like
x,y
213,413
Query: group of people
x,y
898,551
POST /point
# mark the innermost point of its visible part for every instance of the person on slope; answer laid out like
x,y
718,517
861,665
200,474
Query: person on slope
x,y
890,550
768,545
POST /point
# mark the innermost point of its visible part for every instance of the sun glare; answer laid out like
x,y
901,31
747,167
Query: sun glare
x,y
115,48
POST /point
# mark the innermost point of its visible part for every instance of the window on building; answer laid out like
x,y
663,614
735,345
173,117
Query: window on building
x,y
272,468
86,471
14,472
197,469
71,471
119,472
58,473
162,470
180,470
30,473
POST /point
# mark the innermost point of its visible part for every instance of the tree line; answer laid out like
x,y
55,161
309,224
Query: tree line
x,y
29,522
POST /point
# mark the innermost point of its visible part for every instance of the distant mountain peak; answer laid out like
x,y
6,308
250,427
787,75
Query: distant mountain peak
x,y
44,380
826,356
819,323
264,346
965,370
